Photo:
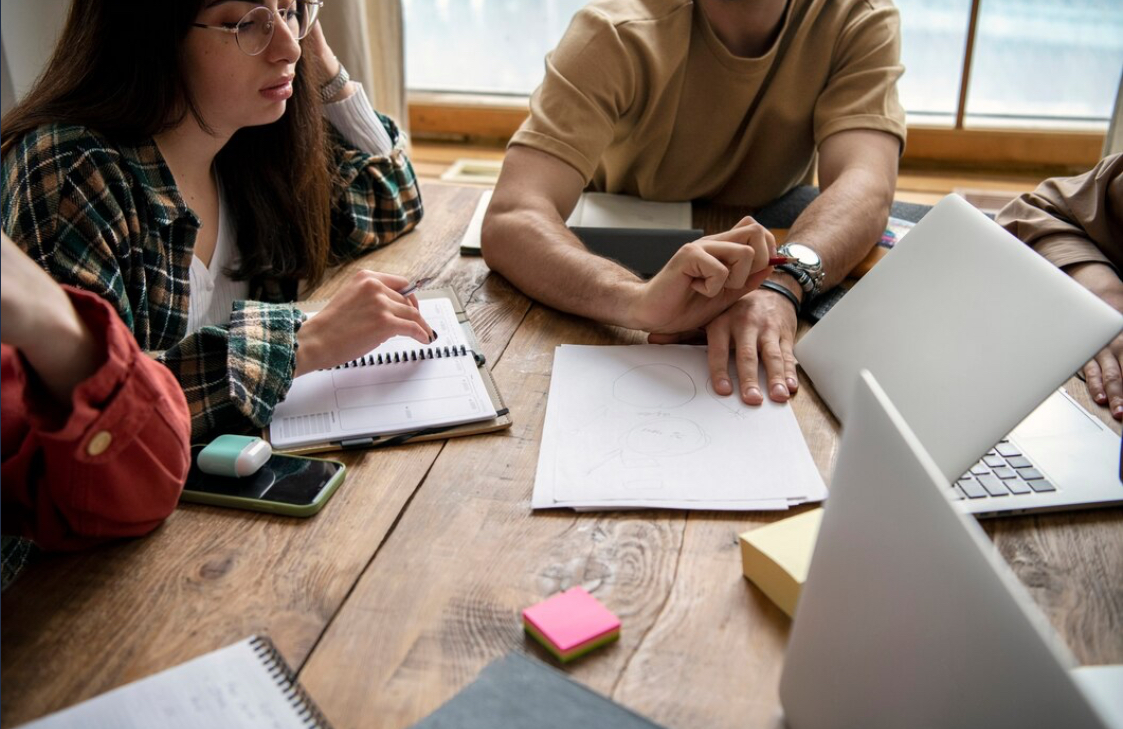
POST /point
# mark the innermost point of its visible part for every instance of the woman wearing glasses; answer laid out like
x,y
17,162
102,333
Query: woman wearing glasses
x,y
174,158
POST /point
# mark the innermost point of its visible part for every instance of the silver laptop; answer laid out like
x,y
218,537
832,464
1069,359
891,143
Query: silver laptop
x,y
910,618
968,330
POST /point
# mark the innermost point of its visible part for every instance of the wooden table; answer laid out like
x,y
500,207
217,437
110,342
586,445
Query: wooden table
x,y
412,578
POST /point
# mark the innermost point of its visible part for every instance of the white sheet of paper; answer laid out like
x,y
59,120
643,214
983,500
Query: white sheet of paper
x,y
230,688
603,210
470,243
630,426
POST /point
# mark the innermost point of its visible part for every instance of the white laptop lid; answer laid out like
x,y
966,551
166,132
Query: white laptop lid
x,y
909,618
966,327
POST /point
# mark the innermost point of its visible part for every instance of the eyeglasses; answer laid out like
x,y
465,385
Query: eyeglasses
x,y
255,30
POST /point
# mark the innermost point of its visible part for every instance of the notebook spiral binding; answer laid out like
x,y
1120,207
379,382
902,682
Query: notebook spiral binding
x,y
413,355
294,693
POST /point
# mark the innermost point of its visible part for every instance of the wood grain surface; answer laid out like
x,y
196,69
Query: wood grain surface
x,y
413,577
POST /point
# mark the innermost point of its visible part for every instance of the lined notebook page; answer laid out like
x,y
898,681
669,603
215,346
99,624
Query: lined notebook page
x,y
242,685
401,386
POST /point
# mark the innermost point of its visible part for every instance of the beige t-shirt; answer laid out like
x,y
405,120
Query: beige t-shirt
x,y
641,97
1072,220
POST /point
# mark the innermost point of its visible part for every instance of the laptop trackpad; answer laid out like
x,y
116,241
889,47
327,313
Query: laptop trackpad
x,y
1058,416
1070,445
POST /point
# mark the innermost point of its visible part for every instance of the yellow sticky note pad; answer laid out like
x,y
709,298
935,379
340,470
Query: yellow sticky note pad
x,y
776,557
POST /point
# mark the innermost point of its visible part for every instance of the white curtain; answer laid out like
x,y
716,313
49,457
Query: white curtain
x,y
29,30
368,38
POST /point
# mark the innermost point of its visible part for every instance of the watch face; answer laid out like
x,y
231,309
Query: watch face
x,y
806,256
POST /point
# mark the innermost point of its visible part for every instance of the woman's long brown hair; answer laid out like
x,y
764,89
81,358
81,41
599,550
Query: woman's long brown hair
x,y
117,69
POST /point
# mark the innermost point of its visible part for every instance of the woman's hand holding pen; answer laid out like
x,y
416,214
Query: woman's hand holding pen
x,y
704,278
367,312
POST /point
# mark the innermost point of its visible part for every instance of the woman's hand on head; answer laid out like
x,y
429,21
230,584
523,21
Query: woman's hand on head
x,y
367,312
317,44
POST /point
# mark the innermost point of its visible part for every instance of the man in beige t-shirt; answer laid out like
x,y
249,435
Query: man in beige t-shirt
x,y
722,100
1077,224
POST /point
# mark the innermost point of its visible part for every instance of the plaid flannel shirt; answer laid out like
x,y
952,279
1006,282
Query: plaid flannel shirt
x,y
109,218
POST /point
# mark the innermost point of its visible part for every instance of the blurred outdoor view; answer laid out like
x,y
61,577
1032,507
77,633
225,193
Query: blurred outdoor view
x,y
1052,62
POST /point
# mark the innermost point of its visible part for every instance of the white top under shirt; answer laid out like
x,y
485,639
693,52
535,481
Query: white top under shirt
x,y
213,292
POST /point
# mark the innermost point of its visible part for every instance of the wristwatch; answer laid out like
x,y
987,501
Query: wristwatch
x,y
807,270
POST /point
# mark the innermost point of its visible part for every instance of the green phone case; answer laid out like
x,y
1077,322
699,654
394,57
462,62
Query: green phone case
x,y
271,507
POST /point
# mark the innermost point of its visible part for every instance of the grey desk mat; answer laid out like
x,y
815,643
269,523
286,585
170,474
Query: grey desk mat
x,y
518,691
782,212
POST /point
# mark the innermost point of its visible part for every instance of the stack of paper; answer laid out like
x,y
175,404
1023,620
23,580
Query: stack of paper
x,y
641,426
604,210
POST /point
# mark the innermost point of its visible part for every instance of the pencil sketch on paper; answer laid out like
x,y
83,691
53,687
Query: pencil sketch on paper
x,y
655,386
644,445
637,428
629,425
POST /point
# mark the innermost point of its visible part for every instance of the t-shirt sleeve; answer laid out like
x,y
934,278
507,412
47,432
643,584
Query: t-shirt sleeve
x,y
589,85
862,90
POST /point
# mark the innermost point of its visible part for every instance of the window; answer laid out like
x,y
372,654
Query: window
x,y
1035,63
933,36
1051,61
482,46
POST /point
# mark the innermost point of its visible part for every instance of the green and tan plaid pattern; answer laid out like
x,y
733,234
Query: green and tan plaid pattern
x,y
108,218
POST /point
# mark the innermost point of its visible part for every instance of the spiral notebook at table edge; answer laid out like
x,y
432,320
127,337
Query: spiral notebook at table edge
x,y
294,692
154,693
501,421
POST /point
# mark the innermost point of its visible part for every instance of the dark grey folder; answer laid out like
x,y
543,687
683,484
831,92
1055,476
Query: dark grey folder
x,y
517,691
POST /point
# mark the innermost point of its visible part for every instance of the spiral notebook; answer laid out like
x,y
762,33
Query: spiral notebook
x,y
244,685
400,391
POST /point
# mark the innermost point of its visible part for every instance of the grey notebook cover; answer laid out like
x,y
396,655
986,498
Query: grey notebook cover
x,y
517,691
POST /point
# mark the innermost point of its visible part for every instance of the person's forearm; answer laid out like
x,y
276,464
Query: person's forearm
x,y
1101,280
64,352
561,272
844,222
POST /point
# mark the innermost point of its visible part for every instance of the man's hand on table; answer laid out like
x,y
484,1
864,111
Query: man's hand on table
x,y
758,327
703,279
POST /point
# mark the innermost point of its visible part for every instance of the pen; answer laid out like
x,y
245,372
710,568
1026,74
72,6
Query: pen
x,y
781,260
418,284
414,287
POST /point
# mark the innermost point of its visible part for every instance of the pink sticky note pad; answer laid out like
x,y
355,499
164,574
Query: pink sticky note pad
x,y
571,618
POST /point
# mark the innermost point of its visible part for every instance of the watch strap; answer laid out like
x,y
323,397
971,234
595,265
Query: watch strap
x,y
781,289
801,277
329,90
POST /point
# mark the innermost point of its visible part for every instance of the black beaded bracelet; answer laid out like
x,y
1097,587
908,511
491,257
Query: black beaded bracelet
x,y
781,289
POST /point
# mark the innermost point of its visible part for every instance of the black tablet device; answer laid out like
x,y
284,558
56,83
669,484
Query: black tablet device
x,y
643,250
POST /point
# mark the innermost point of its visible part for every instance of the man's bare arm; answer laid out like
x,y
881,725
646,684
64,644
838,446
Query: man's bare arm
x,y
857,174
857,177
525,239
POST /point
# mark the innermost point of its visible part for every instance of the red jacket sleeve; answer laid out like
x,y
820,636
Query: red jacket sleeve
x,y
114,465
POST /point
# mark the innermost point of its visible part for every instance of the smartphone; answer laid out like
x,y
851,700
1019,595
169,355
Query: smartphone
x,y
291,485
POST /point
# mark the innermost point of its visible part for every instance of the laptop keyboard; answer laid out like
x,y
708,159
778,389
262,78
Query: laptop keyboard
x,y
1003,471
